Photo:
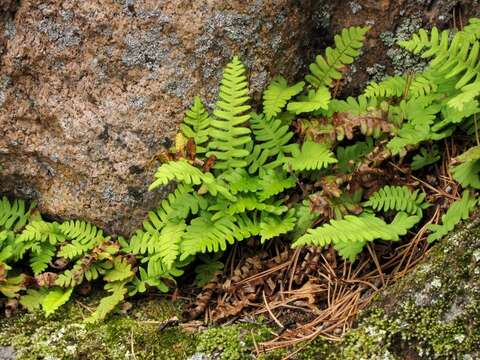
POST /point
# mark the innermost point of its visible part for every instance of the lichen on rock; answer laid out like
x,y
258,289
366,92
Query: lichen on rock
x,y
91,92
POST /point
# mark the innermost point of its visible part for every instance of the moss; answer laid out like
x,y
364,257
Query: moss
x,y
132,336
66,336
234,342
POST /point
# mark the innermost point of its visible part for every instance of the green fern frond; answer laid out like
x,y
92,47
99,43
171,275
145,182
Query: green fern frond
x,y
239,180
180,171
423,84
205,272
227,132
420,115
204,235
42,231
169,243
398,198
109,303
273,182
178,205
273,142
121,270
467,173
392,86
348,156
435,43
313,156
425,158
82,231
326,69
55,299
473,27
196,125
363,228
354,106
13,215
42,257
249,202
33,299
272,225
459,210
456,58
315,100
75,249
277,94
349,250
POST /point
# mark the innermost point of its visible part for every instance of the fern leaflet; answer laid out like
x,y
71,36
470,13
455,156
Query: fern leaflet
x,y
326,69
459,210
277,94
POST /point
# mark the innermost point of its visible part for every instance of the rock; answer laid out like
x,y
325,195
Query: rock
x,y
390,21
91,91
7,353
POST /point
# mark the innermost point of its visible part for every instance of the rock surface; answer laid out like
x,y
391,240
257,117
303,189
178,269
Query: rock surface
x,y
91,91
390,21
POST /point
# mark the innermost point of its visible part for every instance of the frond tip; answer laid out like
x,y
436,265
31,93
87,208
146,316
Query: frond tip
x,y
313,156
228,135
326,69
348,234
398,198
277,94
459,210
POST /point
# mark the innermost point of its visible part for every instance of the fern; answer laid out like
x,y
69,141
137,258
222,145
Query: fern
x,y
107,304
392,86
82,231
425,158
180,171
420,115
14,216
398,198
41,257
459,210
204,234
354,229
272,226
315,100
42,231
196,124
273,182
326,69
121,270
228,135
55,299
350,155
457,58
274,141
205,272
467,173
312,156
239,180
278,94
